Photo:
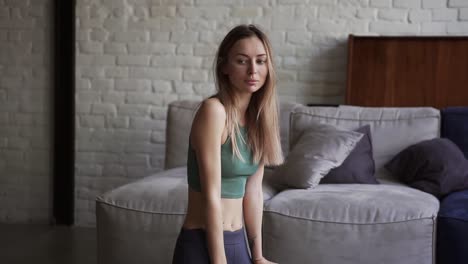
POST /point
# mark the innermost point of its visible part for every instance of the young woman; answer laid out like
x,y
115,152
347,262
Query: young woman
x,y
234,134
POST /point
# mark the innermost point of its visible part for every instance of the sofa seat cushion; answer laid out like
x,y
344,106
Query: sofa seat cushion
x,y
163,192
455,206
452,229
355,204
139,217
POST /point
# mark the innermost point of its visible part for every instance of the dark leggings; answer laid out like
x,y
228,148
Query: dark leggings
x,y
191,247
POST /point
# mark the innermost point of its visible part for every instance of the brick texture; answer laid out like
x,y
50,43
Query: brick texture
x,y
135,57
25,110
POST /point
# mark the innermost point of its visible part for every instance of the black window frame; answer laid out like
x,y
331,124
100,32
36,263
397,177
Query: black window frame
x,y
63,112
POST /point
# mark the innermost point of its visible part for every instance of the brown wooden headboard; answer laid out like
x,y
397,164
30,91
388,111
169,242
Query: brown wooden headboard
x,y
407,71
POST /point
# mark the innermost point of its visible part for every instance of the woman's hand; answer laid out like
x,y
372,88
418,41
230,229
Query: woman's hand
x,y
263,260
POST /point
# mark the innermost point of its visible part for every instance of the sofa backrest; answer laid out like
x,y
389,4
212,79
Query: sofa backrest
x,y
455,126
180,115
392,129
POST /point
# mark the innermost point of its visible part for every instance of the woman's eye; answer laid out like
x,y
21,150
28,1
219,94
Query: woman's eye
x,y
259,62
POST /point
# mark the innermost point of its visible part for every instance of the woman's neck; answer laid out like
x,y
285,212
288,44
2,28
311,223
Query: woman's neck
x,y
243,101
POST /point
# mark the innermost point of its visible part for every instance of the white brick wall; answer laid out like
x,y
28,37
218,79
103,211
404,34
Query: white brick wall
x,y
25,110
136,56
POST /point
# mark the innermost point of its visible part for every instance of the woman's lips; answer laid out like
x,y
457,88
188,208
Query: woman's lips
x,y
251,82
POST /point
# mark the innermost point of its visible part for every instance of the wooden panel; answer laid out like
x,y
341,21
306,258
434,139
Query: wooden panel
x,y
407,71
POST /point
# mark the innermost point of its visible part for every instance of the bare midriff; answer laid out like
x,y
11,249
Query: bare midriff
x,y
231,212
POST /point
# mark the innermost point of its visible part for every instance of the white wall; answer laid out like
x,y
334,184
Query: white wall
x,y
25,111
136,56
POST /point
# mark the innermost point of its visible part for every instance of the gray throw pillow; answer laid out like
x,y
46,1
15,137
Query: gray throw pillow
x,y
318,150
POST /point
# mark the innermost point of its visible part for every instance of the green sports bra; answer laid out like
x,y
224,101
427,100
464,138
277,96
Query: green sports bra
x,y
234,172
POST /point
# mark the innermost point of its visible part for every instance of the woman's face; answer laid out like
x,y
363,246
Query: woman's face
x,y
247,67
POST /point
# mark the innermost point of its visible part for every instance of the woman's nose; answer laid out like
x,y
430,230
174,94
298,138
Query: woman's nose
x,y
252,68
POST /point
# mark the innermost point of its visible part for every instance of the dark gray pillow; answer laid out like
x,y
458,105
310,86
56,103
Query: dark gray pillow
x,y
436,166
359,166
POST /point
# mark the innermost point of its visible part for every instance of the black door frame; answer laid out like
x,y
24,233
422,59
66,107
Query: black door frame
x,y
63,111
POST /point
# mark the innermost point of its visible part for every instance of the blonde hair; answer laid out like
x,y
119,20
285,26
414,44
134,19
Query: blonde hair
x,y
262,111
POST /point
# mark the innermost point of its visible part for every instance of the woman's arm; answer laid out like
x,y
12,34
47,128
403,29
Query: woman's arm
x,y
253,213
206,137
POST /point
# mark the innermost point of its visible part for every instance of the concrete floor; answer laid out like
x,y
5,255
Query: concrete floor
x,y
43,244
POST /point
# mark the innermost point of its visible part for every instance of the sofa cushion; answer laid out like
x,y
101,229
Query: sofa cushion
x,y
139,217
151,193
392,129
179,122
285,111
355,203
452,229
359,166
435,166
455,206
455,126
319,149
350,223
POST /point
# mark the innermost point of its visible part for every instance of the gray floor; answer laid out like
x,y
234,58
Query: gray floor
x,y
37,244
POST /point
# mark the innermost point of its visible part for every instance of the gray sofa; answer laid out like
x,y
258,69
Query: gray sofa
x,y
333,223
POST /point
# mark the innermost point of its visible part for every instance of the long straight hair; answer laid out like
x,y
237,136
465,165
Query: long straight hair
x,y
262,111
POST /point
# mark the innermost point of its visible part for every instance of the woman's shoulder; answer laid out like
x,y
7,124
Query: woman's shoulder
x,y
211,110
